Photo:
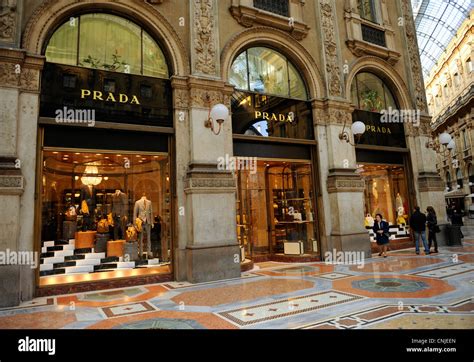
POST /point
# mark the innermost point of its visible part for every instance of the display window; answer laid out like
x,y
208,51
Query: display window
x,y
275,209
386,193
104,215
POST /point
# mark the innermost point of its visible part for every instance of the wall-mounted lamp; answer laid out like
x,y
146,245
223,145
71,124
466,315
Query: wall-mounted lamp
x,y
218,113
446,141
357,128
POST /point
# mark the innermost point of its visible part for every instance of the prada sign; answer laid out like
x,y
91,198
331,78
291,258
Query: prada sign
x,y
269,116
114,97
379,133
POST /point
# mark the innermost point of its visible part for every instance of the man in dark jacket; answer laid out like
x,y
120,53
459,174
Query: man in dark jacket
x,y
418,225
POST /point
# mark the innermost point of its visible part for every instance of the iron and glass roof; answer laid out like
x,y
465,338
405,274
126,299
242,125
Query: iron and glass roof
x,y
437,22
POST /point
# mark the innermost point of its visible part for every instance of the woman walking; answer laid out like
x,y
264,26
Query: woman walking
x,y
433,228
381,230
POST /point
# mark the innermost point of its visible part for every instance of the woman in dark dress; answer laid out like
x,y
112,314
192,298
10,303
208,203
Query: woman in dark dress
x,y
382,233
432,222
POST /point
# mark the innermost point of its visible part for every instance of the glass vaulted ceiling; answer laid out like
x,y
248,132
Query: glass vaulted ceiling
x,y
436,24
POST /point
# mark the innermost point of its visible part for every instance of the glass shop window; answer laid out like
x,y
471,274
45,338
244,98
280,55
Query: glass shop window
x,y
104,212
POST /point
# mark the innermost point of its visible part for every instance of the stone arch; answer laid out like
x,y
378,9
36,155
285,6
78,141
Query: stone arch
x,y
386,72
283,43
52,13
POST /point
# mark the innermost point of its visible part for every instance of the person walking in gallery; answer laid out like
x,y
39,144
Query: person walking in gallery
x,y
433,228
418,225
382,234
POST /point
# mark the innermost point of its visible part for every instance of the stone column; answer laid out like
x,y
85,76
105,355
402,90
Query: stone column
x,y
342,188
212,250
19,105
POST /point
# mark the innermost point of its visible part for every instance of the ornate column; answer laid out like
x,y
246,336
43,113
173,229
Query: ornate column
x,y
19,103
212,251
342,188
429,187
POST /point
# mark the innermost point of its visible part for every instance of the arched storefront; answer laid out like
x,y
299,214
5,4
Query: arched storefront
x,y
274,146
105,153
381,153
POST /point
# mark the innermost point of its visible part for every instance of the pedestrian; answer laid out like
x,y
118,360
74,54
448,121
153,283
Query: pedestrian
x,y
418,225
433,228
456,220
382,234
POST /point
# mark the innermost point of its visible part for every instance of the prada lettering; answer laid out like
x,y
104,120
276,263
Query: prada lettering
x,y
108,97
378,129
284,118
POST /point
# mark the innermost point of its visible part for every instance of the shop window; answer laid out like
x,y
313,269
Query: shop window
x,y
90,205
107,42
386,193
367,10
280,7
459,177
266,71
448,181
275,209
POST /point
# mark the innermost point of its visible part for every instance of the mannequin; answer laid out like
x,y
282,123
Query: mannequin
x,y
143,210
88,195
119,213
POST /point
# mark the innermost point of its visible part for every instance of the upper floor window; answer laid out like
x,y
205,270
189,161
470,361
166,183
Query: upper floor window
x,y
469,65
266,71
370,93
280,7
457,81
367,10
107,42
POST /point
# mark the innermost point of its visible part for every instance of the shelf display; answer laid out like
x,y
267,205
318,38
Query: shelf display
x,y
275,208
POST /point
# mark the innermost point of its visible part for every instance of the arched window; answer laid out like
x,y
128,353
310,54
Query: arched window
x,y
107,42
370,93
263,70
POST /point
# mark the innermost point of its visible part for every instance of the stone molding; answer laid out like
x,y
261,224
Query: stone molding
x,y
344,180
20,70
248,16
11,184
430,182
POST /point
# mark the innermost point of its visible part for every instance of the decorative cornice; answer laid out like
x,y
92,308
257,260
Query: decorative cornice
x,y
249,16
19,70
11,185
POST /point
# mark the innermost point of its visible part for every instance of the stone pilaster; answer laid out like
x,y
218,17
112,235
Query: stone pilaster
x,y
342,189
19,106
10,23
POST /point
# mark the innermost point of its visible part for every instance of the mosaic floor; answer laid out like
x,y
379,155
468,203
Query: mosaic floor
x,y
403,291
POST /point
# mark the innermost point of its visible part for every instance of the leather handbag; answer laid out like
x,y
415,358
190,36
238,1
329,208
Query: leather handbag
x,y
103,226
138,224
131,234
84,207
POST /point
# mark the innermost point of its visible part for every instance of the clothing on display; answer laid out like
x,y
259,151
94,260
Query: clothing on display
x,y
143,211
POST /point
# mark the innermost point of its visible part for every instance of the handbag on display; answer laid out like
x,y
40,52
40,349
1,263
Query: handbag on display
x,y
71,214
103,226
131,234
84,207
138,223
110,219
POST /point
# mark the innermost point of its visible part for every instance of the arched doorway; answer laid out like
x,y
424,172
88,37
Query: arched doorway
x,y
275,167
382,154
106,125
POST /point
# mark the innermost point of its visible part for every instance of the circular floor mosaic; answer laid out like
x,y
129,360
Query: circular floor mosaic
x,y
390,285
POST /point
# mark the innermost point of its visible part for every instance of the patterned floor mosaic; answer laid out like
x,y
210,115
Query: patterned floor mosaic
x,y
403,291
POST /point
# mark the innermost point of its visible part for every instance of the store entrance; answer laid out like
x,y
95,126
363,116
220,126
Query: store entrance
x,y
276,212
